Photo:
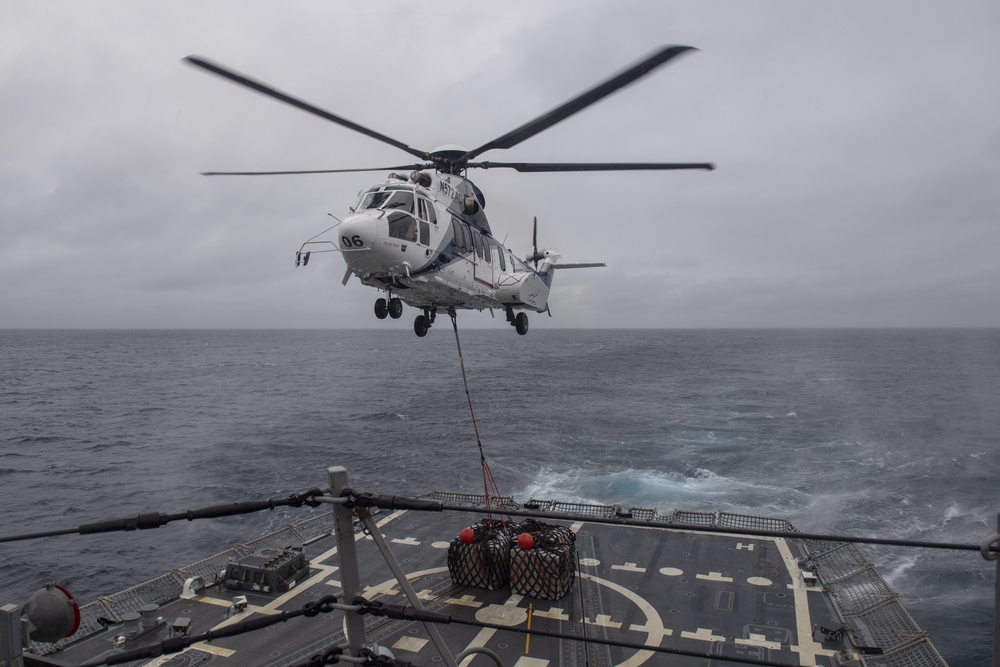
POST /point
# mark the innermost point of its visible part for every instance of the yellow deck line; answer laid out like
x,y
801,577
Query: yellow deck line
x,y
806,647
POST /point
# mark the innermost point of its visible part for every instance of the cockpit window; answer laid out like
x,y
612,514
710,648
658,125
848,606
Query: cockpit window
x,y
397,200
402,201
373,200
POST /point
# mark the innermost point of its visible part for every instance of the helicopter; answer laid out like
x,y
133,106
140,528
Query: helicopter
x,y
422,236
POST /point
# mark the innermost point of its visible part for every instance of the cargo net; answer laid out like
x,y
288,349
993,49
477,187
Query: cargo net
x,y
542,560
480,556
537,559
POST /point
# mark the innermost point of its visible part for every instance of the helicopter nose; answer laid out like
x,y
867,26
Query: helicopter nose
x,y
358,231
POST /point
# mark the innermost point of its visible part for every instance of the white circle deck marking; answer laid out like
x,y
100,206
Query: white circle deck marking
x,y
590,562
759,581
671,571
510,614
654,629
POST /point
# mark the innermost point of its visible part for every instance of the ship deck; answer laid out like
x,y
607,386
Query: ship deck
x,y
642,595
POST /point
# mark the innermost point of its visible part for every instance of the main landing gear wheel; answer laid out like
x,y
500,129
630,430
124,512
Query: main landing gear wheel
x,y
420,325
381,309
423,323
521,323
395,308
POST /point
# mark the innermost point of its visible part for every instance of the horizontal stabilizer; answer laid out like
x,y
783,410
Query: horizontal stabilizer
x,y
579,265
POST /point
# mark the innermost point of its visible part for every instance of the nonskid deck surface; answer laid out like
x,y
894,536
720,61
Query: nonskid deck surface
x,y
702,593
712,594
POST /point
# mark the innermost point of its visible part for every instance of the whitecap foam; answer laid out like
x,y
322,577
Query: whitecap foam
x,y
895,570
953,511
697,489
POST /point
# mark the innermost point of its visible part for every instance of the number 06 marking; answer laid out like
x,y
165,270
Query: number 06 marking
x,y
354,241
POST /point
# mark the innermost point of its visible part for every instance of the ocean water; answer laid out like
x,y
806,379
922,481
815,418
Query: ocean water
x,y
871,432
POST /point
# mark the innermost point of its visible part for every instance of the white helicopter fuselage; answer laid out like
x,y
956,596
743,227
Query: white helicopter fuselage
x,y
425,240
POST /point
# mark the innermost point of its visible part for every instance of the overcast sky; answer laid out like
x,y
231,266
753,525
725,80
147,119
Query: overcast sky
x,y
857,146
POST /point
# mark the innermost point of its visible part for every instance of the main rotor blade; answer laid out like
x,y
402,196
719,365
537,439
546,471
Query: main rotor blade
x,y
591,166
581,101
402,167
295,102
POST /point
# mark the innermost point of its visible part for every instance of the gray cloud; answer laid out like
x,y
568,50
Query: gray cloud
x,y
858,149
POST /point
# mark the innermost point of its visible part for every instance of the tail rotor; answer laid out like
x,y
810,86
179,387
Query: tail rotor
x,y
535,255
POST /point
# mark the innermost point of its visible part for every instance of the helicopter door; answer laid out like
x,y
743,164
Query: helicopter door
x,y
425,214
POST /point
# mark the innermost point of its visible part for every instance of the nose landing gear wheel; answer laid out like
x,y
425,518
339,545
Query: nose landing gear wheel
x,y
395,308
521,323
381,309
421,325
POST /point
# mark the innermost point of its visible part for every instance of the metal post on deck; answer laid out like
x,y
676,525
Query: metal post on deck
x,y
10,636
350,579
407,587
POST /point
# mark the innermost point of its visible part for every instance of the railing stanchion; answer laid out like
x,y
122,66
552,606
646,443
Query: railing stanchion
x,y
350,579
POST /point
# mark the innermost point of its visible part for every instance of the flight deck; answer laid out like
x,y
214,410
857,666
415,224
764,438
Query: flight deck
x,y
647,589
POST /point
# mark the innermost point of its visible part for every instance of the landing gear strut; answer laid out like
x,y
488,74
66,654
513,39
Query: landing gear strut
x,y
423,323
520,322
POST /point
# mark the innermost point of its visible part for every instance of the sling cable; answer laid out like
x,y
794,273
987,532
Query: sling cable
x,y
489,484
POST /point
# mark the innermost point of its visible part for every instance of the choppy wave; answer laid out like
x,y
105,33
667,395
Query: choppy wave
x,y
851,432
696,489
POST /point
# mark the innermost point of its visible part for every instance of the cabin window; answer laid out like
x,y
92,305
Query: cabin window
x,y
403,227
425,210
466,237
486,249
456,230
517,266
463,234
500,253
478,240
425,233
